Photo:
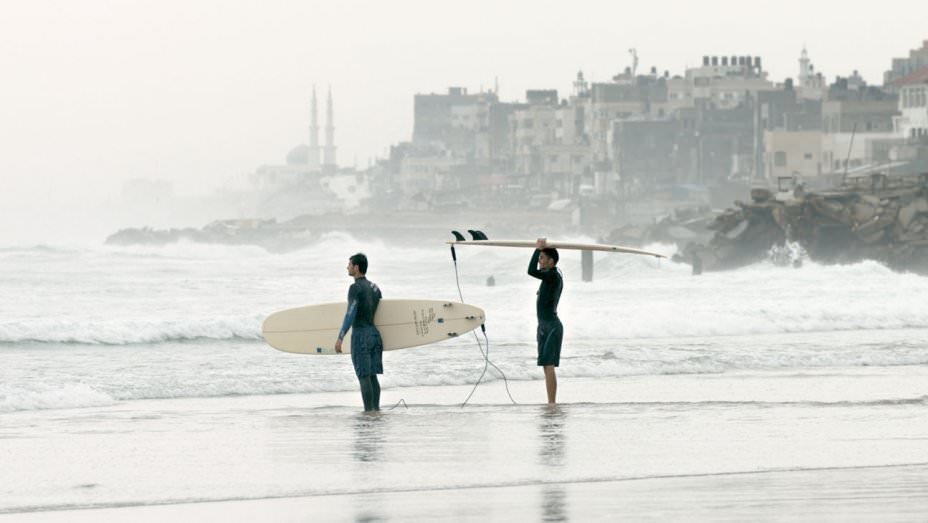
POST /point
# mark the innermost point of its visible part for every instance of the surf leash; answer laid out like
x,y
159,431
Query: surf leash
x,y
403,401
486,354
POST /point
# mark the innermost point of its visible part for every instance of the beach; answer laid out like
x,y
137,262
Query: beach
x,y
650,455
135,385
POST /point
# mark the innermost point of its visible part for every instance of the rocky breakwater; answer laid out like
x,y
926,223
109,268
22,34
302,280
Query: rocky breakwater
x,y
878,218
264,233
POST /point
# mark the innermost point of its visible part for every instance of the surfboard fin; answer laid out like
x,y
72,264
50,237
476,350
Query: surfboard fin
x,y
477,235
458,236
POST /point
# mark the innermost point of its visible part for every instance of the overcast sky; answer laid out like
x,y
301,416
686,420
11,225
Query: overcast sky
x,y
96,92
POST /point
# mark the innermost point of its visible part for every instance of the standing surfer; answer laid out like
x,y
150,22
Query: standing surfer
x,y
366,344
550,330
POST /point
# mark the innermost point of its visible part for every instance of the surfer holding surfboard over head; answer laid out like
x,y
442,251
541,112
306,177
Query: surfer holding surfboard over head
x,y
550,333
543,266
366,343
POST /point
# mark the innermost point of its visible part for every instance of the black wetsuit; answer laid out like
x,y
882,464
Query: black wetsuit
x,y
550,330
366,346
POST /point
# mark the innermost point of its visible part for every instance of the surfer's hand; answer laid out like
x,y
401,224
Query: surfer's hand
x,y
541,243
338,346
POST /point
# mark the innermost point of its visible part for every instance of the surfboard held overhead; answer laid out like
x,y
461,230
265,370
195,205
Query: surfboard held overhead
x,y
558,245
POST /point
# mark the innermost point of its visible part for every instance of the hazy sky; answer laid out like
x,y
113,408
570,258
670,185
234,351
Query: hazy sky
x,y
95,92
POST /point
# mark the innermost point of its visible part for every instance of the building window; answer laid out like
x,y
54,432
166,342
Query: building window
x,y
779,159
807,156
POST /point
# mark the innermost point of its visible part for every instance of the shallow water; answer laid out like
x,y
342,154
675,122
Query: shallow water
x,y
138,377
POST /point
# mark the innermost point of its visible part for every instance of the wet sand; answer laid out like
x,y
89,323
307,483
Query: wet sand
x,y
752,446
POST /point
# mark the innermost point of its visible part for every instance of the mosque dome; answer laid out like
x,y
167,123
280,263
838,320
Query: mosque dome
x,y
299,155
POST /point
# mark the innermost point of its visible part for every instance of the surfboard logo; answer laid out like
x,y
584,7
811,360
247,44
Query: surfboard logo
x,y
422,319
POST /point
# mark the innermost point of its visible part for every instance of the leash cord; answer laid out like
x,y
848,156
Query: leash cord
x,y
486,355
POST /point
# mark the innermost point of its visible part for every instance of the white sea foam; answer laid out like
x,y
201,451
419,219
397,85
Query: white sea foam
x,y
92,376
113,324
19,396
128,331
190,292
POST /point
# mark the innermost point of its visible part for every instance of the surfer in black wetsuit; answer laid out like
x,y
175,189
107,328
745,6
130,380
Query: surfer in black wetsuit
x,y
550,331
366,344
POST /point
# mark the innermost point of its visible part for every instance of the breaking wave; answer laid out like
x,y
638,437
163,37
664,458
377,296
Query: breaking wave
x,y
129,331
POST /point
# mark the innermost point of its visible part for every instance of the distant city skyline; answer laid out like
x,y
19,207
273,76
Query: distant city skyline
x,y
97,93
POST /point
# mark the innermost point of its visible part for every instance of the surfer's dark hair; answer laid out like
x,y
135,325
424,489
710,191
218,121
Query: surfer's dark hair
x,y
551,252
360,260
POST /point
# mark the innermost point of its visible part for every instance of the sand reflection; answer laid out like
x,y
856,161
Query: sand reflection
x,y
552,439
369,431
551,435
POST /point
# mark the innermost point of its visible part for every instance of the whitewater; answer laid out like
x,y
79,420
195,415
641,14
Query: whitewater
x,y
130,342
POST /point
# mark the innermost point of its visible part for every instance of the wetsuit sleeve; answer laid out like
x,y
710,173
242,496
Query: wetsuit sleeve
x,y
534,272
350,313
349,318
533,265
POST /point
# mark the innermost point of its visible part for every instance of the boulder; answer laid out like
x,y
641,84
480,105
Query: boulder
x,y
863,211
907,214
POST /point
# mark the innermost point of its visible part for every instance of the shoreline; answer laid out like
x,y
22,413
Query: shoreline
x,y
300,455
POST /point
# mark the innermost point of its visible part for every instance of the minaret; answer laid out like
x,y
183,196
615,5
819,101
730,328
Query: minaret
x,y
313,157
581,88
805,72
328,156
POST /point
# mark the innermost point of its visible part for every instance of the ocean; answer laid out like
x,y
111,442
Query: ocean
x,y
138,377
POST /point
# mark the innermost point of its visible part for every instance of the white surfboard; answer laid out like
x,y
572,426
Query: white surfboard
x,y
557,245
402,324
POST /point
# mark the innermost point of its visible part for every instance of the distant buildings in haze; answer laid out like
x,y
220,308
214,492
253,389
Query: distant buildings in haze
x,y
719,125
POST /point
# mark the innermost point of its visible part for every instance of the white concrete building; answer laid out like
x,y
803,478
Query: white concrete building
x,y
793,153
725,81
533,129
913,104
609,102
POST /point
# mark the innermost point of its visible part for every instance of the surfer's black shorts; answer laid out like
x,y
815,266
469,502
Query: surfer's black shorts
x,y
366,351
550,335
